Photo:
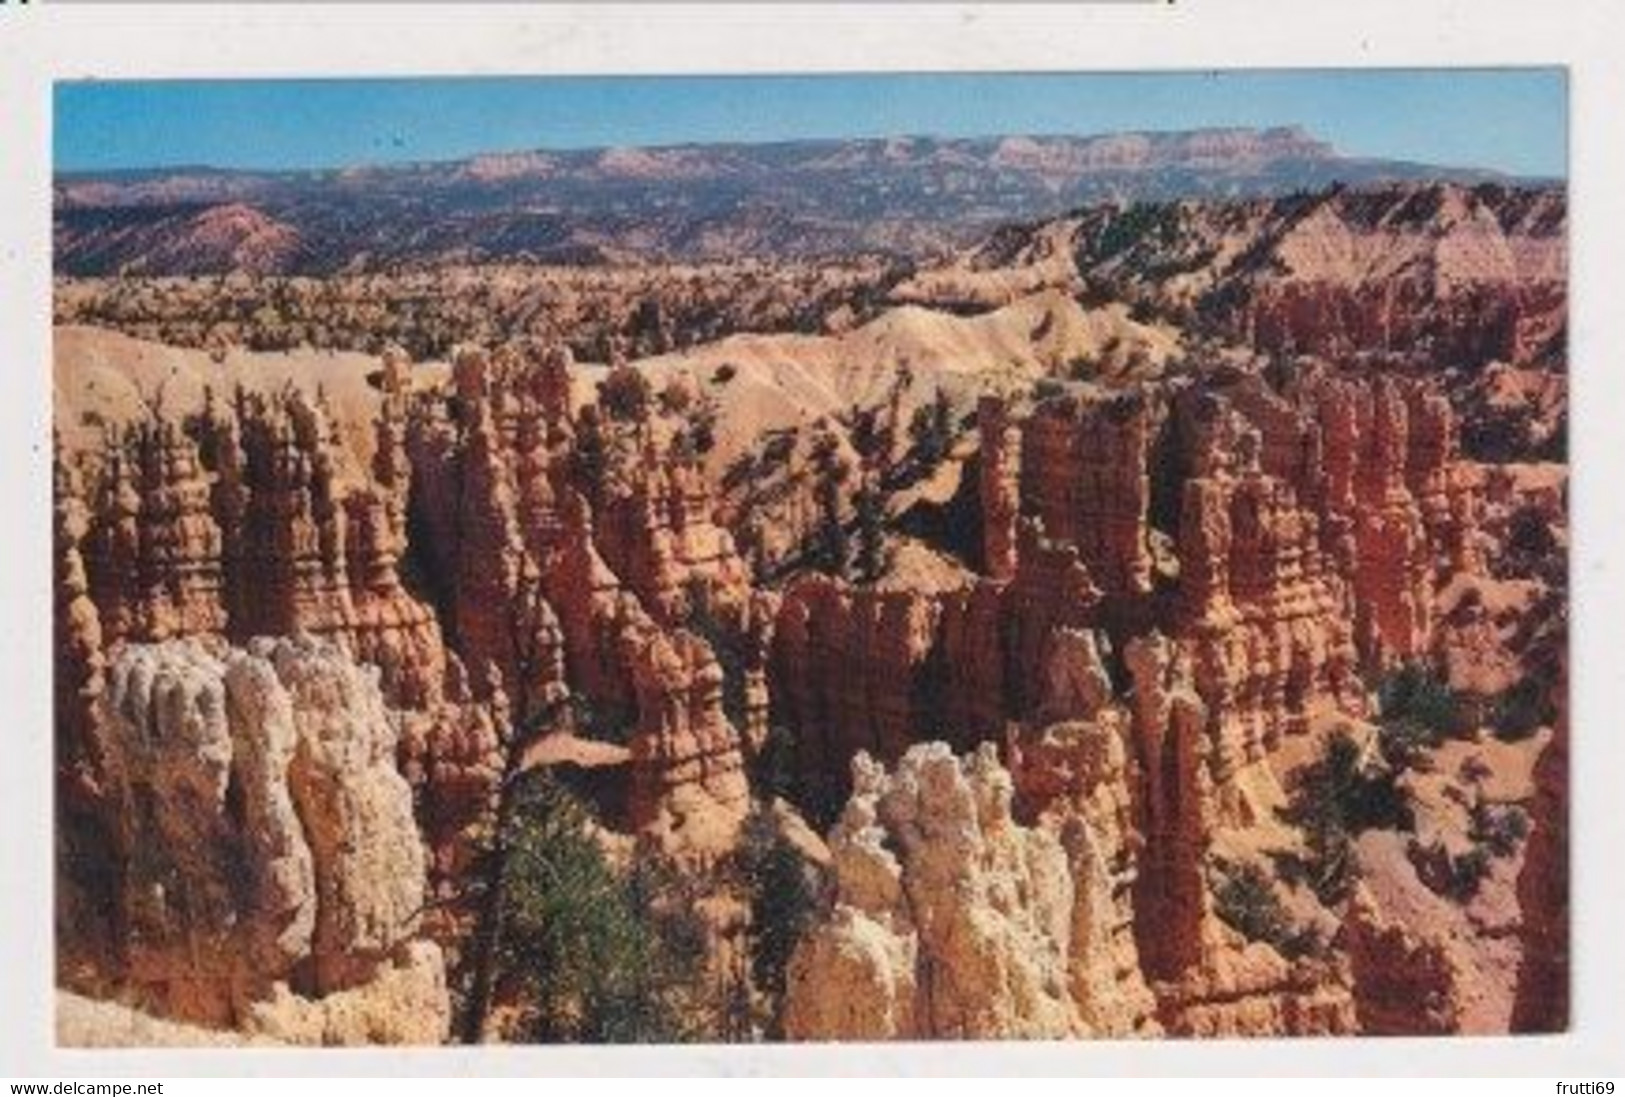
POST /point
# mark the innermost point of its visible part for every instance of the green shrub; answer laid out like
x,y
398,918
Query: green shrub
x,y
1416,694
1333,801
831,547
590,456
1083,368
1127,229
870,508
593,955
773,770
1466,874
626,394
1498,828
1522,710
1405,743
932,431
783,892
605,724
1246,901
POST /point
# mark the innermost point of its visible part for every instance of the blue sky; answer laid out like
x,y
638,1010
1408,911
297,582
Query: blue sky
x,y
1514,120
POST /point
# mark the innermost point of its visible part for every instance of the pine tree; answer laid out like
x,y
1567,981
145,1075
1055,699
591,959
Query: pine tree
x,y
832,545
871,532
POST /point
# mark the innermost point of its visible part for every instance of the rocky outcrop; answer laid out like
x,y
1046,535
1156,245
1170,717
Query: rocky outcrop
x,y
1173,922
1378,461
1083,773
262,836
490,554
658,532
1448,274
1127,782
80,660
1406,981
453,755
711,567
1084,473
247,523
403,1002
1207,981
292,560
756,695
949,920
395,630
84,879
1261,619
1541,1002
684,747
634,532
588,596
1305,533
154,552
1392,598
1175,589
866,668
547,589
850,670
1000,486
1250,990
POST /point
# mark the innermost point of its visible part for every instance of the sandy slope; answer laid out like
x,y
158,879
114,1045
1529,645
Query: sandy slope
x,y
780,381
777,380
102,376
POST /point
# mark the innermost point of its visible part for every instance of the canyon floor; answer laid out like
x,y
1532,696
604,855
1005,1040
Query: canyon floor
x,y
1143,622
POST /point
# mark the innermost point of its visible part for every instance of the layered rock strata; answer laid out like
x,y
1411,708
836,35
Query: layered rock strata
x,y
253,529
865,668
1173,586
1310,528
549,588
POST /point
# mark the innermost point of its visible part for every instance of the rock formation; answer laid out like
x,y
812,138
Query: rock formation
x,y
264,839
850,668
863,668
155,552
950,921
548,589
1083,773
1176,808
80,661
1084,471
1407,983
1000,487
1542,1000
684,749
253,529
394,629
85,879
453,756
1174,587
1261,620
1311,530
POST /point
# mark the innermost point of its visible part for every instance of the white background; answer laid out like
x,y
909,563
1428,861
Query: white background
x,y
44,42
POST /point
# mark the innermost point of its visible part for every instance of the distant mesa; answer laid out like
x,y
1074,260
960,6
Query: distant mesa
x,y
908,196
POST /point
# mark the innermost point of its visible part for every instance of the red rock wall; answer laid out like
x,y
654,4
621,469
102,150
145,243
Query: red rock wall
x,y
1084,474
1541,1003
